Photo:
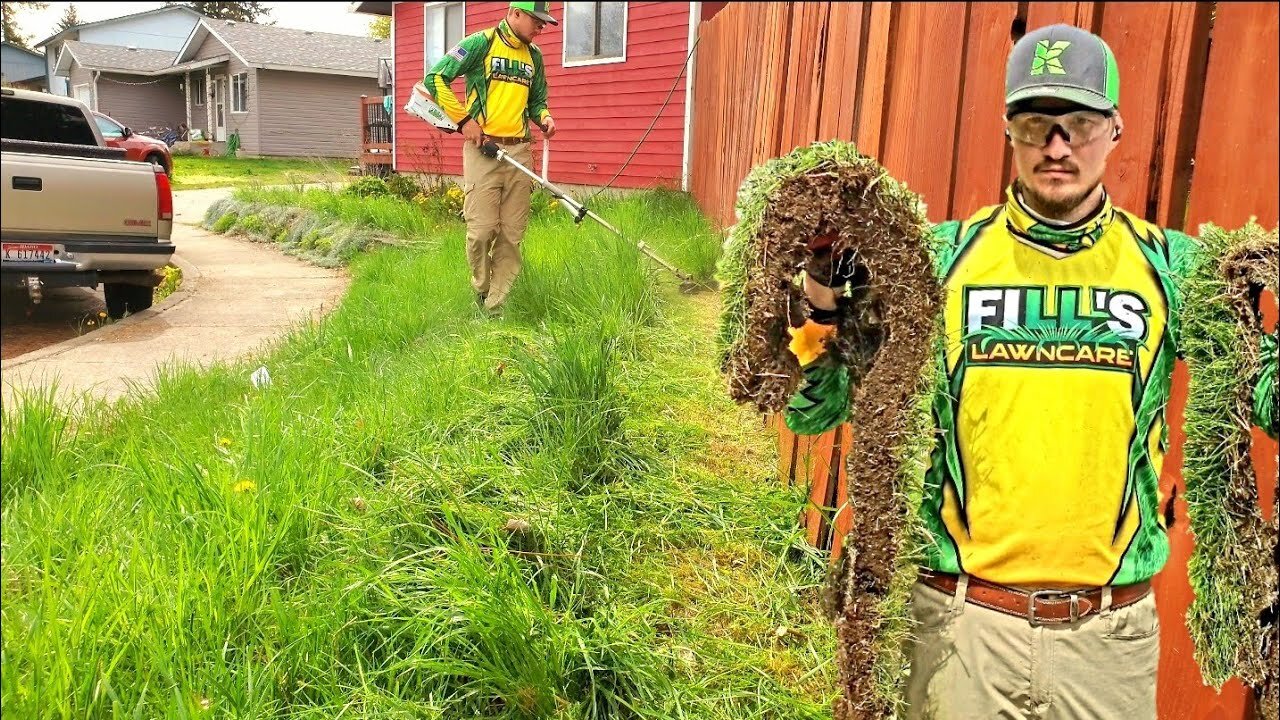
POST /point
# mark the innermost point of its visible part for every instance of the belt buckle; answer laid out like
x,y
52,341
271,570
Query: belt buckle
x,y
1057,595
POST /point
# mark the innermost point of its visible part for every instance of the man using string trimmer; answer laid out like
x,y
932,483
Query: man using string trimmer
x,y
506,88
496,152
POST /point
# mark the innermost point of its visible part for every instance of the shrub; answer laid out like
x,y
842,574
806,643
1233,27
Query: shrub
x,y
404,187
368,187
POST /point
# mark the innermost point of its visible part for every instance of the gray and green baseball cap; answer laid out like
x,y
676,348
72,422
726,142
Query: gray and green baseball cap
x,y
1065,62
536,9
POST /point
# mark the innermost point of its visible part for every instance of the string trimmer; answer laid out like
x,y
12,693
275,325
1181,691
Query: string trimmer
x,y
421,105
580,211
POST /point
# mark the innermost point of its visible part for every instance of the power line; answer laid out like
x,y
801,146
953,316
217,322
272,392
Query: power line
x,y
661,109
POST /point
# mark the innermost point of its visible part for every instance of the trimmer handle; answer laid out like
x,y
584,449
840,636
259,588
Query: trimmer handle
x,y
489,150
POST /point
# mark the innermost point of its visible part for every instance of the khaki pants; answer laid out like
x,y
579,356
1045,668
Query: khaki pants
x,y
496,208
971,662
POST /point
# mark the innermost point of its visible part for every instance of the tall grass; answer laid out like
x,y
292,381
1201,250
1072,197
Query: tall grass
x,y
427,513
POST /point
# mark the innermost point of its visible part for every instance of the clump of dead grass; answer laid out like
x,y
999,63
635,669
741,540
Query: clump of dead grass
x,y
831,188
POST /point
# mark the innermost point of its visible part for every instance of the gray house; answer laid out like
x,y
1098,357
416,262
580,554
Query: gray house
x,y
22,68
277,91
281,91
130,84
165,28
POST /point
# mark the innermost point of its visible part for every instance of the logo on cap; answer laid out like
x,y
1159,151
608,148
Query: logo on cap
x,y
1048,57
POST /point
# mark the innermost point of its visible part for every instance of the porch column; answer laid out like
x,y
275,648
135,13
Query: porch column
x,y
186,86
208,107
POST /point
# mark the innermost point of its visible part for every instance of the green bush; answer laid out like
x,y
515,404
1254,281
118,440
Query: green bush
x,y
225,222
252,224
403,187
368,187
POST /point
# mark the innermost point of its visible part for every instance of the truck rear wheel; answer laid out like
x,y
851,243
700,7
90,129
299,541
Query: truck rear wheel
x,y
122,298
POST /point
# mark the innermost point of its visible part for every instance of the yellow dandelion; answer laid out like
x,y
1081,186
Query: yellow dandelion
x,y
224,442
244,486
101,314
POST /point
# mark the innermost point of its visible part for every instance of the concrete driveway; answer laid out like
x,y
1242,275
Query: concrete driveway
x,y
235,295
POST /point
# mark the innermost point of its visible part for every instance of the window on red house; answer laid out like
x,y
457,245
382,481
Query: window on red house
x,y
442,29
595,32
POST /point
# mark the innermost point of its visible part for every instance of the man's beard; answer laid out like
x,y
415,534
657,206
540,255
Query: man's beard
x,y
1056,208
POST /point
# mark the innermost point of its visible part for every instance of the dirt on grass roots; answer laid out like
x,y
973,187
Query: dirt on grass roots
x,y
1235,568
888,335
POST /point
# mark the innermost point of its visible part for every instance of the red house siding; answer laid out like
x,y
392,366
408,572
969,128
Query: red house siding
x,y
419,147
601,110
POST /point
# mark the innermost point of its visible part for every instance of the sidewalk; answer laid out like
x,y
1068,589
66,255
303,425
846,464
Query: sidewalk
x,y
234,296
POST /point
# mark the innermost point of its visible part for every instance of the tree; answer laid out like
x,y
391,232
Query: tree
x,y
238,11
380,27
9,23
69,18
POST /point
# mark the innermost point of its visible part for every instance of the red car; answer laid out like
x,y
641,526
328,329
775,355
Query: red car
x,y
138,147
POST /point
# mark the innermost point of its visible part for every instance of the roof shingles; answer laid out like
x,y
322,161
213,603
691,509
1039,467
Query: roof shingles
x,y
285,47
116,57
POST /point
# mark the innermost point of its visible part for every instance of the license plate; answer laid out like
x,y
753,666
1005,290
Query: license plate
x,y
27,252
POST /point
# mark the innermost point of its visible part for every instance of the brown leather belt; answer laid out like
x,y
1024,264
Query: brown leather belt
x,y
1039,607
506,140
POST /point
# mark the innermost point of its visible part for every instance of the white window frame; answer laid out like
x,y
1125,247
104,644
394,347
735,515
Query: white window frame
x,y
234,95
199,97
75,93
446,45
564,42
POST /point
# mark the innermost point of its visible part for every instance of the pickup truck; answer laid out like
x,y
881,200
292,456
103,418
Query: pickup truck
x,y
74,212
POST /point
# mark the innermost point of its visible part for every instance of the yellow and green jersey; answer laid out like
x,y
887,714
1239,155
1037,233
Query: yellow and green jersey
x,y
1060,347
505,78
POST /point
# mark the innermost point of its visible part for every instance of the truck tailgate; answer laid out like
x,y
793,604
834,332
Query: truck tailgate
x,y
115,199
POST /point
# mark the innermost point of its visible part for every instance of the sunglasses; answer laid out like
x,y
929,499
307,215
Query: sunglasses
x,y
1078,128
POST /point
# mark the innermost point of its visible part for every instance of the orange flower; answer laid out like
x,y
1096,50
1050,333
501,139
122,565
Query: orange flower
x,y
809,342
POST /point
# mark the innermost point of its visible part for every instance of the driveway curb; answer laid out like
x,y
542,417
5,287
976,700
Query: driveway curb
x,y
190,277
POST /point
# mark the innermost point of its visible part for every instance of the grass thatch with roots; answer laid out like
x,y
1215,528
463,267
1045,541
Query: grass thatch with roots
x,y
823,188
1233,568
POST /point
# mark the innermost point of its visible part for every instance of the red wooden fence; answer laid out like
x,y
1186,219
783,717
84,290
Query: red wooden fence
x,y
919,86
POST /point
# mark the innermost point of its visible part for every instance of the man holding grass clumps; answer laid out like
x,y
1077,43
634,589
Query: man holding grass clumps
x,y
1042,498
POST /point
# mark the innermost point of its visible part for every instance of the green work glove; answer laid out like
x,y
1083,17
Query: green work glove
x,y
822,402
1266,396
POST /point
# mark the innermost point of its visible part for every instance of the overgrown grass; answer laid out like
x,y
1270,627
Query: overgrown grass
x,y
193,172
427,513
665,220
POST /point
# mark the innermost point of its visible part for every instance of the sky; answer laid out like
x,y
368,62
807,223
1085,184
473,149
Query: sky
x,y
331,17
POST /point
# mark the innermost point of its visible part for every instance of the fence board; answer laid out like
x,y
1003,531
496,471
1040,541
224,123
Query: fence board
x,y
802,73
1238,149
1081,14
1180,116
1138,34
840,72
844,515
870,116
979,181
923,104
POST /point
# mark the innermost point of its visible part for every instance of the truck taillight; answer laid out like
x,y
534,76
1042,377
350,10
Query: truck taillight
x,y
164,195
